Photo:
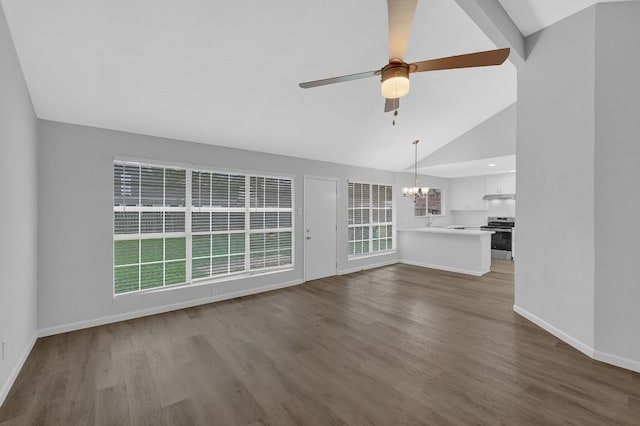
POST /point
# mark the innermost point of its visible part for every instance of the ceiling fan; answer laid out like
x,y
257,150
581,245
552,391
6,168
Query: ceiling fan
x,y
395,75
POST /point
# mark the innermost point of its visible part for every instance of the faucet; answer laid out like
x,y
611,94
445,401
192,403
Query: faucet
x,y
429,218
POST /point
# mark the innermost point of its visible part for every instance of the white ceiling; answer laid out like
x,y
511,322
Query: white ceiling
x,y
486,166
227,73
531,16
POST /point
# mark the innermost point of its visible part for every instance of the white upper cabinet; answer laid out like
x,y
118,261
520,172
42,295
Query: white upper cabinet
x,y
467,195
501,184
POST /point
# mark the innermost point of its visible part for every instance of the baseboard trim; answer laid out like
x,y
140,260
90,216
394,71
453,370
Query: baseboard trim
x,y
618,361
64,328
6,387
444,268
365,267
568,339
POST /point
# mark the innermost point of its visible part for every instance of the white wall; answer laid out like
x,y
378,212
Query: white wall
x,y
75,220
18,223
554,278
617,199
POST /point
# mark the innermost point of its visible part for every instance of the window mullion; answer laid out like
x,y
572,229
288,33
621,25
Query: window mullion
x,y
371,218
187,227
139,228
247,225
164,221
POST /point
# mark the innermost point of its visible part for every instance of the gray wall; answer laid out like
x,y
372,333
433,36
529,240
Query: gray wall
x,y
75,220
617,198
18,223
577,155
555,162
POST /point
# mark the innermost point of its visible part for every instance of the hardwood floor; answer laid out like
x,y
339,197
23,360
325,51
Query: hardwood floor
x,y
390,346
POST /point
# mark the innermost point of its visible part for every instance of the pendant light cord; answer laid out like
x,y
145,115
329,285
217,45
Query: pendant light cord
x,y
415,164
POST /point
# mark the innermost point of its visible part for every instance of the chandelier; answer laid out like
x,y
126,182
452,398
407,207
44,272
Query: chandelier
x,y
416,192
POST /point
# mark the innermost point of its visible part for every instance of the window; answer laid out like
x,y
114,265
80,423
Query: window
x,y
431,204
370,210
149,227
218,222
271,222
181,225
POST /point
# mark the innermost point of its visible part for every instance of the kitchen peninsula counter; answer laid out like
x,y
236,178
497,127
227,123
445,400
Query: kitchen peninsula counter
x,y
467,251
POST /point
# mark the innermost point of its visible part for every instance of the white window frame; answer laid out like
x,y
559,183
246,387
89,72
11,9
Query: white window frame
x,y
371,224
442,205
147,235
188,234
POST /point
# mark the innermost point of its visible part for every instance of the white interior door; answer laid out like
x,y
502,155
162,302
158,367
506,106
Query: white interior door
x,y
320,220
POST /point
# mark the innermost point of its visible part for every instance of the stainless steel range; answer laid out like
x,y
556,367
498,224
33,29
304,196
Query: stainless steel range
x,y
502,240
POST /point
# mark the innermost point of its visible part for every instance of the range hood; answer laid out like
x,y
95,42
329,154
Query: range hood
x,y
499,197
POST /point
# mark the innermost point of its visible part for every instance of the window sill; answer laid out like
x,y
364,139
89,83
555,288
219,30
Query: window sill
x,y
203,282
365,256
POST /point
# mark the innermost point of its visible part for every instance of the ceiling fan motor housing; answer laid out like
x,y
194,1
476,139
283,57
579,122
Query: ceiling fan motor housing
x,y
395,80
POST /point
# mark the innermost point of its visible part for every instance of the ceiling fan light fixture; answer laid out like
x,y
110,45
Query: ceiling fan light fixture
x,y
395,87
395,81
395,75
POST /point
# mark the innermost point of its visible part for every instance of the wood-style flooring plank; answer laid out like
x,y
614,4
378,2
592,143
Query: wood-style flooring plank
x,y
112,406
393,345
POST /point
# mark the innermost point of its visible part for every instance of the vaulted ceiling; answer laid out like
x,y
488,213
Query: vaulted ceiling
x,y
227,73
533,15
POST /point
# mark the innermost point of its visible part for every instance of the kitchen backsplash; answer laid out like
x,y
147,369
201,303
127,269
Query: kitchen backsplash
x,y
479,218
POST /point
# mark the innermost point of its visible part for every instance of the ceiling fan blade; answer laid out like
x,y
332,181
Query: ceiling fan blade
x,y
478,59
391,104
401,13
340,79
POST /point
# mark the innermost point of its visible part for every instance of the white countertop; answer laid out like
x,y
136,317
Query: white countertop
x,y
447,230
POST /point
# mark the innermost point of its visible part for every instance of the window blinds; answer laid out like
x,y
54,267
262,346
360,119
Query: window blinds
x,y
149,227
233,223
370,217
271,222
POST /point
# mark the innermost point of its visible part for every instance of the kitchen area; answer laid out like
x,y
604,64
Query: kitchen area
x,y
462,227
487,203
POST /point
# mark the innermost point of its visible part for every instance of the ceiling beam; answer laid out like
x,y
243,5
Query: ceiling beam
x,y
493,20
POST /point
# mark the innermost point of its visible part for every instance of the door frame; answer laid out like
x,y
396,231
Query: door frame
x,y
305,221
